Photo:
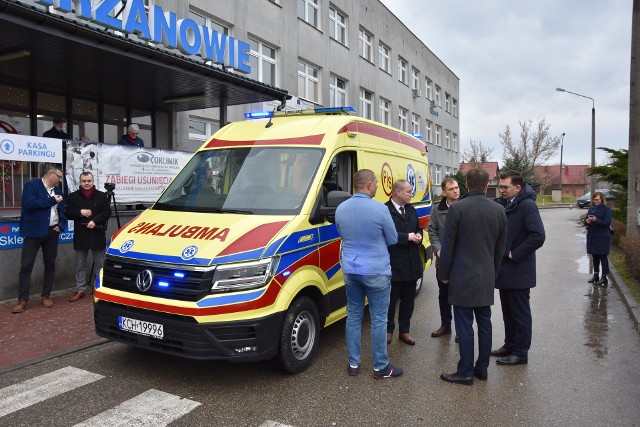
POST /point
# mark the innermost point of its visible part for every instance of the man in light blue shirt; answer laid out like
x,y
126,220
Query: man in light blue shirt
x,y
366,229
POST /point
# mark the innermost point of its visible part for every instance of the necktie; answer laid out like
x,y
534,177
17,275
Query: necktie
x,y
509,203
402,211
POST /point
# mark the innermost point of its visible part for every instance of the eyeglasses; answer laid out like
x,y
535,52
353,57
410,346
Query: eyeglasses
x,y
59,176
505,187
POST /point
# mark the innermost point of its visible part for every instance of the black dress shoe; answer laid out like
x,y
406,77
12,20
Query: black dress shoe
x,y
482,376
456,378
512,360
501,352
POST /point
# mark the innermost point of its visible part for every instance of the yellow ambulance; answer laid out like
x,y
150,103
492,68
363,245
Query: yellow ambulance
x,y
239,259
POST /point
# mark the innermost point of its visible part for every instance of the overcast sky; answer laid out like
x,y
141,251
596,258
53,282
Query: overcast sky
x,y
510,57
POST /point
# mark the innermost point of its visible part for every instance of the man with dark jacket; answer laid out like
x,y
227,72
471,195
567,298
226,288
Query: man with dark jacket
x,y
406,264
57,130
472,248
450,195
89,209
131,139
41,222
517,275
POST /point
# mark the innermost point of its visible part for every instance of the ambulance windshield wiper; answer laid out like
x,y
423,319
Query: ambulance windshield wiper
x,y
239,211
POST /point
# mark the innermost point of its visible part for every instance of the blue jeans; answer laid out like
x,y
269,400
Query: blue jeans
x,y
464,329
377,289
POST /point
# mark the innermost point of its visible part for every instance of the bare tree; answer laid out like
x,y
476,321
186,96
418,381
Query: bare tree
x,y
476,153
534,147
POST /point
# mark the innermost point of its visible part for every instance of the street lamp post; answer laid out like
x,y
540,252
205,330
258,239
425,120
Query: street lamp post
x,y
593,135
561,146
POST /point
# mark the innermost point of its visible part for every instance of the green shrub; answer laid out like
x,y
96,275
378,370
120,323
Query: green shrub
x,y
631,248
621,231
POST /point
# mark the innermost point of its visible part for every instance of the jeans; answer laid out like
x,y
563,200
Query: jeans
x,y
81,266
464,329
376,288
30,247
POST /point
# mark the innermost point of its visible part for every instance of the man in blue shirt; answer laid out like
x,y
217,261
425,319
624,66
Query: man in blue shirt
x,y
366,229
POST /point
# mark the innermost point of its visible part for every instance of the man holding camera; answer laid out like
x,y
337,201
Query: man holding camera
x,y
89,209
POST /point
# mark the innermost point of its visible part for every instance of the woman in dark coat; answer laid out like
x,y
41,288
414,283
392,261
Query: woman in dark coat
x,y
599,237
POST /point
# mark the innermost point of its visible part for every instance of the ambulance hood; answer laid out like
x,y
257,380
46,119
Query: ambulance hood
x,y
198,239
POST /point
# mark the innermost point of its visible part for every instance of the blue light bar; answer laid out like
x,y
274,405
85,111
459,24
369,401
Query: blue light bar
x,y
417,135
335,110
163,284
259,115
178,274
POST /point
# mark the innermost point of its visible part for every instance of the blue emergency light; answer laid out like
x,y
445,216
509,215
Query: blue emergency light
x,y
417,135
178,274
163,284
323,110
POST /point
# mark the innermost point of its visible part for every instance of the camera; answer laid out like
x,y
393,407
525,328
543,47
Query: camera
x,y
109,186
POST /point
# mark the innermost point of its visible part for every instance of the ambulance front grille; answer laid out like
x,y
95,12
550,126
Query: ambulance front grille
x,y
121,275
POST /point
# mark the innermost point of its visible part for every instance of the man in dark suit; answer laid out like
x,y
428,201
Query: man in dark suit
x,y
518,272
41,221
89,209
472,247
406,264
57,130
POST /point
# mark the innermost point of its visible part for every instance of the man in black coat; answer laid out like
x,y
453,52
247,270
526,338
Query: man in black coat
x,y
472,247
57,130
406,264
518,272
89,209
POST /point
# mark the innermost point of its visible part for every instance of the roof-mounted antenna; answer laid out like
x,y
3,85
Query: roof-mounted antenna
x,y
270,123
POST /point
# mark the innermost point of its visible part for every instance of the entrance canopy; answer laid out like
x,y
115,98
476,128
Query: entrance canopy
x,y
48,52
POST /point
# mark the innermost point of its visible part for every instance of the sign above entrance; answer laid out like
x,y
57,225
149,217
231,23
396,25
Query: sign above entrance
x,y
157,26
30,148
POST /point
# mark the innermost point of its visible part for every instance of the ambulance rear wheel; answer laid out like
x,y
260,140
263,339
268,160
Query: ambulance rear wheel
x,y
299,336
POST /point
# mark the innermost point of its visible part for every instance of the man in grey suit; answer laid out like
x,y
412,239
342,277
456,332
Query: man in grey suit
x,y
472,248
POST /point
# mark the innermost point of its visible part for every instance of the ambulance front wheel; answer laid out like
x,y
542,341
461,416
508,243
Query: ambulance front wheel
x,y
299,337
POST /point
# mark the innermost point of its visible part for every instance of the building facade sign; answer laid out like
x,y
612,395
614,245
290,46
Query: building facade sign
x,y
160,27
27,148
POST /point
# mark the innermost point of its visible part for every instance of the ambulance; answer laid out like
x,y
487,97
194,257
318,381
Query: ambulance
x,y
239,258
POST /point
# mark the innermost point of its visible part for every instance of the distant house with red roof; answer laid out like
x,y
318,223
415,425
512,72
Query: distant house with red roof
x,y
574,179
492,169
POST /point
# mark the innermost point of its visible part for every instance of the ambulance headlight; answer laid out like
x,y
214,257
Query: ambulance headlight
x,y
248,275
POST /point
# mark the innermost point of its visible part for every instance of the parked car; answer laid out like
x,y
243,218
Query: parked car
x,y
585,201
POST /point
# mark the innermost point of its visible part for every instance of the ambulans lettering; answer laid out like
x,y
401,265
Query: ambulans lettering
x,y
155,25
184,231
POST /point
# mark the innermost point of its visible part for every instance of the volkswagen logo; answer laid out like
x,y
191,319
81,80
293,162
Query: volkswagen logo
x,y
144,280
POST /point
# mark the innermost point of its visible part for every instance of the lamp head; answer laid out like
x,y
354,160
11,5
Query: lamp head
x,y
563,134
559,89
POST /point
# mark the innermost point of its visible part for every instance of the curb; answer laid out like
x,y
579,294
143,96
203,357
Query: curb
x,y
629,301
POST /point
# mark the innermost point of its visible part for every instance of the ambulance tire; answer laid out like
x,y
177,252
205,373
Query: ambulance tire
x,y
419,283
299,336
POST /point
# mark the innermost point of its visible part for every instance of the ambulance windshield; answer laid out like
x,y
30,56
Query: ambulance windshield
x,y
248,180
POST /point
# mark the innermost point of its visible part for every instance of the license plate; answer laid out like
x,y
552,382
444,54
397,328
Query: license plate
x,y
141,327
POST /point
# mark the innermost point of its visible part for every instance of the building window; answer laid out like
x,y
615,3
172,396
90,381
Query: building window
x,y
201,18
415,79
385,60
337,92
447,171
200,129
454,142
337,26
438,136
366,98
365,45
262,59
402,70
428,89
308,82
308,11
454,107
447,102
427,131
385,107
402,119
437,96
415,123
438,173
447,139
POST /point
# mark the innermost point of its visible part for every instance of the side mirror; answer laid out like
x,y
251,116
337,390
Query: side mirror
x,y
334,198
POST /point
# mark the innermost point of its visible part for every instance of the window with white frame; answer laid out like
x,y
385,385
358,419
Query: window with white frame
x,y
200,129
437,98
366,101
447,139
427,131
262,59
415,78
385,108
308,82
438,136
454,107
402,119
431,172
428,89
438,173
385,57
365,43
447,171
415,123
454,142
402,70
337,26
447,102
308,11
201,18
337,92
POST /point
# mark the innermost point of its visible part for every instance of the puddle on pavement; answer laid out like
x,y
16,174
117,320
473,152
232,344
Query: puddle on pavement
x,y
584,264
596,320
